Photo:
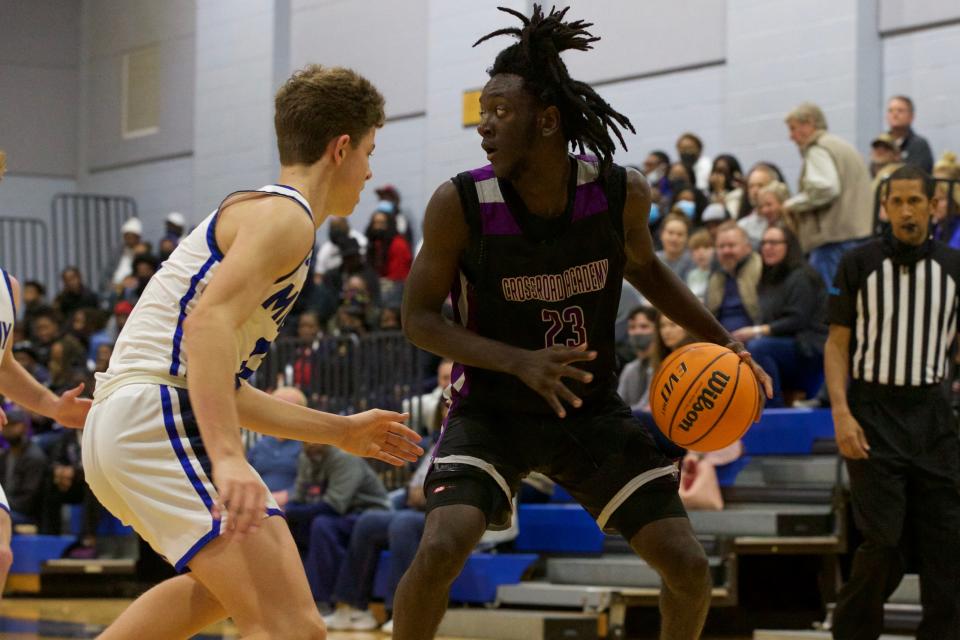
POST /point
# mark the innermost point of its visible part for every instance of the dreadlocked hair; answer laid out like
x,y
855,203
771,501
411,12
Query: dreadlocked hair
x,y
586,118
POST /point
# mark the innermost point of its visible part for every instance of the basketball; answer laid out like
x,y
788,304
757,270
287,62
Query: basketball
x,y
704,397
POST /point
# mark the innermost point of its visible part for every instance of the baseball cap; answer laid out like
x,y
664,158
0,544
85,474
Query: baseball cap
x,y
388,190
122,308
885,140
714,212
133,225
177,218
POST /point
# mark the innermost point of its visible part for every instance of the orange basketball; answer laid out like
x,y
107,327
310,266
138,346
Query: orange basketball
x,y
704,397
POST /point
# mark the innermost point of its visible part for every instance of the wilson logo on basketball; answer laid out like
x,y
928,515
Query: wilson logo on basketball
x,y
704,402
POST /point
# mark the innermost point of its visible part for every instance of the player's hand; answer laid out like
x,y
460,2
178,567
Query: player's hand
x,y
544,370
382,435
70,409
243,496
762,377
851,440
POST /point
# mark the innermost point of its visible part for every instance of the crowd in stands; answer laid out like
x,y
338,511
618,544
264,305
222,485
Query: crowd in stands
x,y
759,255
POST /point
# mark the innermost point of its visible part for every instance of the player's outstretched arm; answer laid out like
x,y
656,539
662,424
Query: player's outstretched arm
x,y
17,384
374,434
445,238
661,286
262,240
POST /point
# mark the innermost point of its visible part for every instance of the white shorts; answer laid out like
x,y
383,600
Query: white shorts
x,y
145,461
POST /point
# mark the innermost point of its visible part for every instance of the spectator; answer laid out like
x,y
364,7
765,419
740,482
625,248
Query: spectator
x,y
673,238
328,257
64,484
174,227
946,214
713,216
68,363
75,295
121,266
332,489
690,150
670,337
701,252
390,254
683,190
791,329
390,204
44,331
26,356
655,167
914,149
390,319
145,265
832,210
750,218
352,264
884,160
275,459
634,384
770,201
732,289
422,410
22,468
726,180
32,293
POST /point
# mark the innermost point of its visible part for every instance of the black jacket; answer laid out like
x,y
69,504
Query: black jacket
x,y
796,307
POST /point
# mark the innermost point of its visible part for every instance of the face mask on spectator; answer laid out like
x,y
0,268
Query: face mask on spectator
x,y
654,212
678,185
688,158
687,207
640,341
655,175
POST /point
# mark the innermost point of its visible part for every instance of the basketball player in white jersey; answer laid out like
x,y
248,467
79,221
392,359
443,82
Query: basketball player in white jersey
x,y
162,447
18,385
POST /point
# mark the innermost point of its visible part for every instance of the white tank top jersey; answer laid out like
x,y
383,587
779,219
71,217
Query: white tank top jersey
x,y
150,347
8,311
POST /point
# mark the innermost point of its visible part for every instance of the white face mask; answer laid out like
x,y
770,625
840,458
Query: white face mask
x,y
655,175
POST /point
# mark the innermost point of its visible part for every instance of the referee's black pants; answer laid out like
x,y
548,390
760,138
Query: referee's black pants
x,y
906,503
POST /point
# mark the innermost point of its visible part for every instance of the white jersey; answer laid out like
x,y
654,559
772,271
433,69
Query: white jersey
x,y
8,311
150,347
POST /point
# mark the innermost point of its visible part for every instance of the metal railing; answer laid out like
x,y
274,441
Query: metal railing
x,y
86,232
25,250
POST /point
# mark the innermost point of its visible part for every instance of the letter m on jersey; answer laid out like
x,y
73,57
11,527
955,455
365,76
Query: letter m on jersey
x,y
280,303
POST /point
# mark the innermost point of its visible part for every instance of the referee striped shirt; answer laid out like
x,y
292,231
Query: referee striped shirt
x,y
902,311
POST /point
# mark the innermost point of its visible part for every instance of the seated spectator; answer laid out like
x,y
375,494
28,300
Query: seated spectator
x,y
43,333
634,384
75,294
145,265
390,204
423,410
23,468
673,238
788,338
946,215
334,280
762,174
102,358
732,289
726,180
390,256
64,484
655,168
68,364
884,160
390,319
121,265
26,356
713,216
174,226
332,489
683,189
690,150
328,257
701,253
32,294
275,459
770,201
301,370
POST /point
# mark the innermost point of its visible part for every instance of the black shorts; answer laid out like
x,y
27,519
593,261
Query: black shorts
x,y
601,455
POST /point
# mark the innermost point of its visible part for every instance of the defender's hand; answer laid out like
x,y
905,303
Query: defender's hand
x,y
851,440
543,370
382,435
70,409
243,496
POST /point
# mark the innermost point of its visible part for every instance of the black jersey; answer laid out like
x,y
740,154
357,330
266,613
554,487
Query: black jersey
x,y
534,283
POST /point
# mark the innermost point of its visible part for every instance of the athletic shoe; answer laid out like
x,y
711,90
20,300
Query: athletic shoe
x,y
350,619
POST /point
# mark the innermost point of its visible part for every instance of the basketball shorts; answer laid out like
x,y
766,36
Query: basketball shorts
x,y
601,455
145,461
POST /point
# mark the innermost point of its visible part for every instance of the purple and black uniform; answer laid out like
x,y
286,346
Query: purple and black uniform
x,y
533,283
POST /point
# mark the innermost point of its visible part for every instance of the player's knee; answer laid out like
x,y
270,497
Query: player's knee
x,y
6,559
442,554
308,626
687,569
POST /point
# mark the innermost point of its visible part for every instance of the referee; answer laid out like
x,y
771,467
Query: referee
x,y
893,318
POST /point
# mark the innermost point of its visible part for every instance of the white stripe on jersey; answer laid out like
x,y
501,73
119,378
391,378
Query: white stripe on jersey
x,y
8,311
150,347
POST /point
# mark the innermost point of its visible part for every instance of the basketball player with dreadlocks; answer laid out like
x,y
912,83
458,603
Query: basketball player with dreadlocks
x,y
533,249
